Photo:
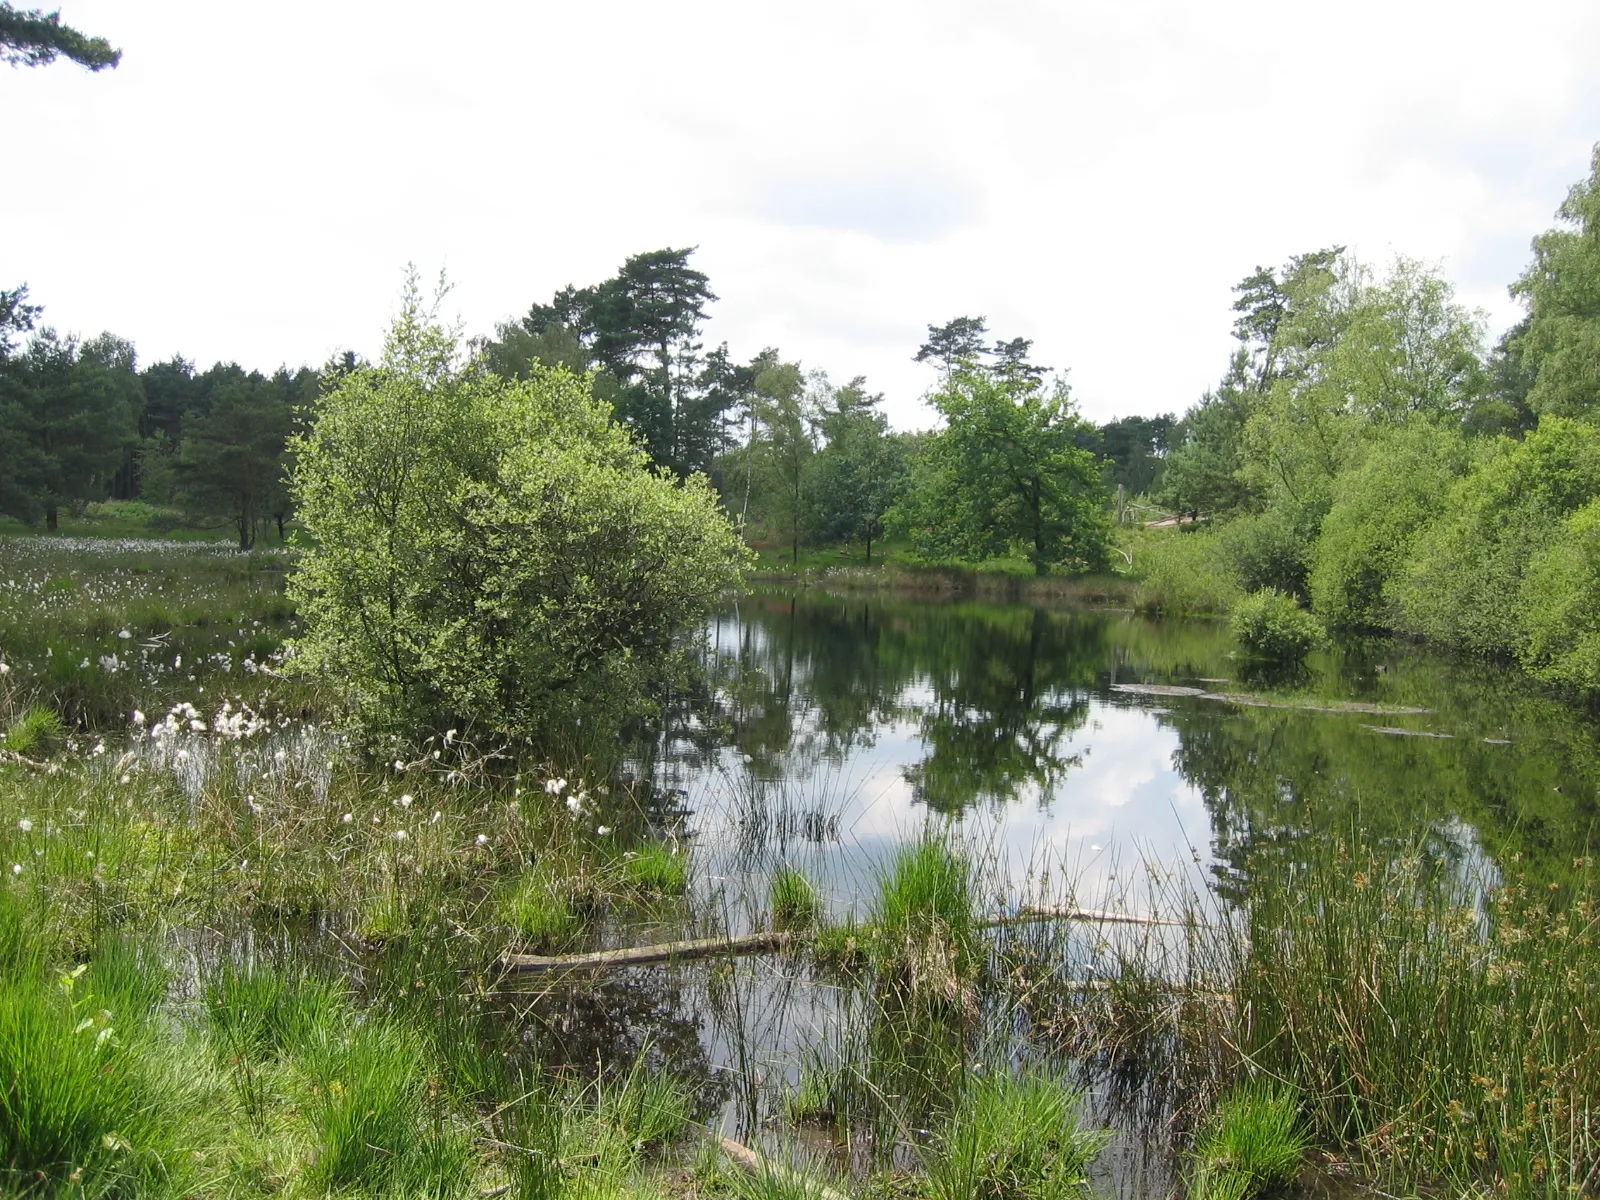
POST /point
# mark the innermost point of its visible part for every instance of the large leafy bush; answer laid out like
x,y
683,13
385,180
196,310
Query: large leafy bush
x,y
495,556
1379,510
1270,625
1464,584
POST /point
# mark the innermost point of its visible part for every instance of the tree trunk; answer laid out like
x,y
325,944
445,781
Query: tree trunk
x,y
52,517
869,549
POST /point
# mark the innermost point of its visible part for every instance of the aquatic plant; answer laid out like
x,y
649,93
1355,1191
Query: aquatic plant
x,y
923,935
655,869
793,900
1270,625
1013,1137
1252,1143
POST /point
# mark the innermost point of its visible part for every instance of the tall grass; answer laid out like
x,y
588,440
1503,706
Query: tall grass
x,y
1253,1143
923,937
1442,1038
1013,1137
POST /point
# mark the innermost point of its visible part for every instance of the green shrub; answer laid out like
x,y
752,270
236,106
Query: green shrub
x,y
1379,510
1253,1143
1464,585
489,555
1014,1137
1561,604
1270,625
1272,549
1183,571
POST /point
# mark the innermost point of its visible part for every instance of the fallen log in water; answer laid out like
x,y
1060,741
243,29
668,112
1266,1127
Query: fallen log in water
x,y
729,946
637,956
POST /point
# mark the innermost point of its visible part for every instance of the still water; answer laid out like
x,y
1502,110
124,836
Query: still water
x,y
1092,753
1085,752
1091,743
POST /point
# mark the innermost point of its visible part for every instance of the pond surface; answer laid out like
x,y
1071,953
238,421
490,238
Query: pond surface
x,y
1093,743
1123,761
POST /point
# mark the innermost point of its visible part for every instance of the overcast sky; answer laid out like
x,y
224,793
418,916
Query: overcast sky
x,y
252,180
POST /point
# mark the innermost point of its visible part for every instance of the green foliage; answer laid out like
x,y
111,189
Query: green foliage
x,y
259,1013
861,470
794,901
32,37
1014,1137
38,731
86,1095
1252,1143
371,1116
641,329
923,936
1464,584
1379,510
1560,600
492,555
654,869
1560,345
1006,472
1202,474
1270,625
1271,549
231,461
1183,571
544,908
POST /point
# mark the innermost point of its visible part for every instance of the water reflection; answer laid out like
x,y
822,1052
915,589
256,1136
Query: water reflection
x,y
829,728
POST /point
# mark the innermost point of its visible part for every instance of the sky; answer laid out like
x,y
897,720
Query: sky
x,y
252,181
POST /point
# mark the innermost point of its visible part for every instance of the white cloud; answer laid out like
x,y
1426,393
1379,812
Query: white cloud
x,y
251,181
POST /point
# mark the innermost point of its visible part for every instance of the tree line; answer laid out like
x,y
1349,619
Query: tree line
x,y
797,459
82,421
1368,452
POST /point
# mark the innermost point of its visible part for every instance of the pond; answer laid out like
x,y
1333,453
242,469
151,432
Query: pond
x,y
1131,763
1094,743
1082,757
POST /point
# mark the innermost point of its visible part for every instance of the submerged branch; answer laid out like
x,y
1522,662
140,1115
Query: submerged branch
x,y
775,941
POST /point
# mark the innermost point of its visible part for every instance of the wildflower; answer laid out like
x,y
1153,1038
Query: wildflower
x,y
25,825
555,786
398,765
346,819
483,839
434,820
574,806
16,868
124,779
400,835
449,736
243,865
5,668
124,634
138,719
603,830
406,800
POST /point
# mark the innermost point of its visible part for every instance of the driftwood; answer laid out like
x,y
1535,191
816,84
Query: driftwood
x,y
635,956
759,1165
770,942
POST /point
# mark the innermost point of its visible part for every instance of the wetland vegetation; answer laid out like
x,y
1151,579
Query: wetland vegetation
x,y
245,957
